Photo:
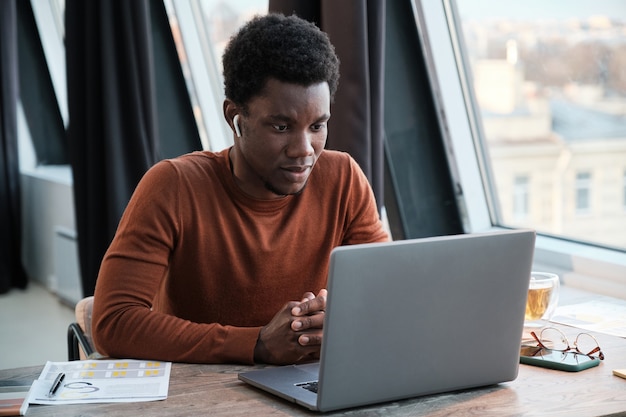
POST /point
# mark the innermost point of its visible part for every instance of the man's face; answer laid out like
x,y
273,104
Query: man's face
x,y
283,134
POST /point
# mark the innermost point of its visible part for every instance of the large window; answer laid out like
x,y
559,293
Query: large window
x,y
531,99
550,85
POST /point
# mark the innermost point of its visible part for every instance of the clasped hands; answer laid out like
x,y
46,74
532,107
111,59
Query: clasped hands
x,y
295,333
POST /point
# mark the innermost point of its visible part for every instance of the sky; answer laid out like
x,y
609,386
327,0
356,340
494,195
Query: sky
x,y
559,9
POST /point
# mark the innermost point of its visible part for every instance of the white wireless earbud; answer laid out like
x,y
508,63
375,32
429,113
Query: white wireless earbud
x,y
236,124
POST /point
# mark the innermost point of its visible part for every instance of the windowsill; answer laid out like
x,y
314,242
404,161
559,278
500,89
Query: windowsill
x,y
61,174
589,268
582,267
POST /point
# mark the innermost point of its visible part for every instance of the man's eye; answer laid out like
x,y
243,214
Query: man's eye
x,y
318,127
280,128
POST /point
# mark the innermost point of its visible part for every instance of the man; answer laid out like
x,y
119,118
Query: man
x,y
223,257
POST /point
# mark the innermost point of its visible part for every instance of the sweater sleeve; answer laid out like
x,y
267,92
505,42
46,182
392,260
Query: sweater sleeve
x,y
125,324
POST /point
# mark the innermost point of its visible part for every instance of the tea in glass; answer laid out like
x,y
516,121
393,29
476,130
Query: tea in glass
x,y
543,294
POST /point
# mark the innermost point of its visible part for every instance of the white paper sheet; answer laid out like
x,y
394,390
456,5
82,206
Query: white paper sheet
x,y
603,316
103,381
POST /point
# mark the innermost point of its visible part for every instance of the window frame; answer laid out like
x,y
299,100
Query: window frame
x,y
49,18
586,266
205,75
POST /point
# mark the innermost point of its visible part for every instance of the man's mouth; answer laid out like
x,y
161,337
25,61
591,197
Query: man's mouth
x,y
296,173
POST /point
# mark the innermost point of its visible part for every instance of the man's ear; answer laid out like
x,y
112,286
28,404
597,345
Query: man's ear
x,y
231,112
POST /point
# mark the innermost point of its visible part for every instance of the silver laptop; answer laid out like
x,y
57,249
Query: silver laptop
x,y
414,317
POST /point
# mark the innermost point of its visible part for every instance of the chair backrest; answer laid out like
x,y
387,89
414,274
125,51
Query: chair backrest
x,y
79,335
83,312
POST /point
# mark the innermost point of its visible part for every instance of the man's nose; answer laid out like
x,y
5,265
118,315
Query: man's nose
x,y
301,144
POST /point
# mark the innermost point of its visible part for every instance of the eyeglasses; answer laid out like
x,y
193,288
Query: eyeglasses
x,y
554,339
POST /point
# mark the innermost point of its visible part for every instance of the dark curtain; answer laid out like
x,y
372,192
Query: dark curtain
x,y
11,270
112,130
357,29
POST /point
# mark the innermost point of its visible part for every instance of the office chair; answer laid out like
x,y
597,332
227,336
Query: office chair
x,y
79,340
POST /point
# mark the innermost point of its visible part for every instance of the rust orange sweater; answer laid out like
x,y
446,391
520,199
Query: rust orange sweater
x,y
197,266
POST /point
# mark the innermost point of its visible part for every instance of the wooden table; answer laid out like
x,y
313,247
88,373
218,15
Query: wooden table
x,y
215,390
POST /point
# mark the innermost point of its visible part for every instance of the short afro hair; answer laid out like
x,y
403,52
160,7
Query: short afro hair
x,y
274,46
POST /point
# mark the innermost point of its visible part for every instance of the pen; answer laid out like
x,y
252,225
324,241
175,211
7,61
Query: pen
x,y
56,384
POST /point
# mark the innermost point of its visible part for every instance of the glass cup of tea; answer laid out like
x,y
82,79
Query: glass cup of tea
x,y
543,297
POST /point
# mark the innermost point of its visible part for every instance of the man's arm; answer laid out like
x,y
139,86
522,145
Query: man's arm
x,y
126,321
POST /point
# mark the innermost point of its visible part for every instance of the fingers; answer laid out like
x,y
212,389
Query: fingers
x,y
310,312
310,318
315,321
308,296
311,304
310,339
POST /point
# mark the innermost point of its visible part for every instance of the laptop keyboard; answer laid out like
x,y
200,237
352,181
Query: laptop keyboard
x,y
311,386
